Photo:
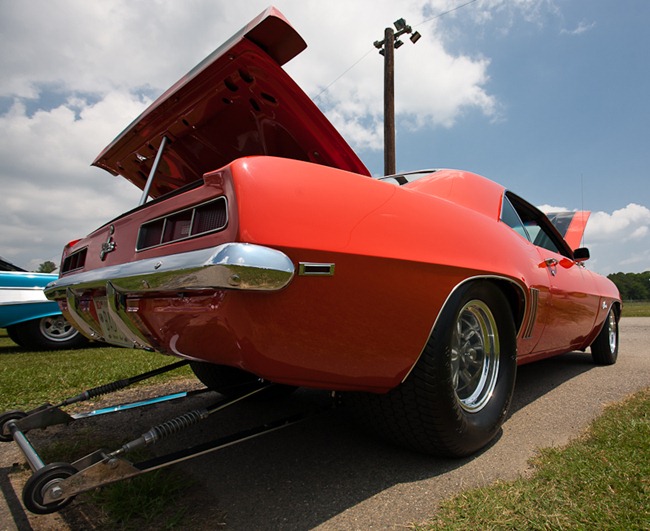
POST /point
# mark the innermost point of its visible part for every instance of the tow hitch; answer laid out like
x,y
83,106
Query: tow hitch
x,y
53,486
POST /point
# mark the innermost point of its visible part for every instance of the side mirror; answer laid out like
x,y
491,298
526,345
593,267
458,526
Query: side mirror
x,y
581,254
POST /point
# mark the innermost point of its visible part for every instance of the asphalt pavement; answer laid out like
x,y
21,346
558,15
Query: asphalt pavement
x,y
328,474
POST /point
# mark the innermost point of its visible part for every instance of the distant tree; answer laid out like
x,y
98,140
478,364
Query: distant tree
x,y
46,267
632,286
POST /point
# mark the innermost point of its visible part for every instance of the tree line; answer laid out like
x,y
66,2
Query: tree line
x,y
632,286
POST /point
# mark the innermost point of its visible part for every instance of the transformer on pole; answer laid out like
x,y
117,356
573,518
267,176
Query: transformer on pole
x,y
387,49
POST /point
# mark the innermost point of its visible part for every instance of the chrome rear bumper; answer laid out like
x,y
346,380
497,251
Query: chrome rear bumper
x,y
241,266
237,266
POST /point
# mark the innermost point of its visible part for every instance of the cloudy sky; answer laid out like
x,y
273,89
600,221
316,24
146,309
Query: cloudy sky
x,y
548,97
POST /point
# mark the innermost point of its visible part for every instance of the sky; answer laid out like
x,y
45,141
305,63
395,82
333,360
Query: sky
x,y
550,98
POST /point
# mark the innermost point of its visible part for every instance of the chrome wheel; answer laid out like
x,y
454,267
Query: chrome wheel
x,y
474,356
613,332
604,349
456,398
56,328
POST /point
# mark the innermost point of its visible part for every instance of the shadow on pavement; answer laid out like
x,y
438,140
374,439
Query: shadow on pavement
x,y
296,478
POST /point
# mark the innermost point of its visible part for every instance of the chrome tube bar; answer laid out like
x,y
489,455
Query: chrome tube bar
x,y
33,459
152,173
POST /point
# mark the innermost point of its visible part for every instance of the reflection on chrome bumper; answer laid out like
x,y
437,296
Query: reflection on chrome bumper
x,y
241,266
237,266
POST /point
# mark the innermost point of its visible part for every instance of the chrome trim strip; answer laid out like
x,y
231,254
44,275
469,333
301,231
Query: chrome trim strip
x,y
21,295
242,266
479,277
314,269
534,303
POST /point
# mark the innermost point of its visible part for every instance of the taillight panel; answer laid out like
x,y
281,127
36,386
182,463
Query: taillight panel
x,y
205,218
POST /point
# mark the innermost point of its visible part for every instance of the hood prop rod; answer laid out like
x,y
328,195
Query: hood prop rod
x,y
152,173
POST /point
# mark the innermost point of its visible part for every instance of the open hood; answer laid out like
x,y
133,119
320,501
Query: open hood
x,y
237,102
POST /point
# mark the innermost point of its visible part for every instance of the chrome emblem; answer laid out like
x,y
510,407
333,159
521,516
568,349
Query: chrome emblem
x,y
109,245
604,305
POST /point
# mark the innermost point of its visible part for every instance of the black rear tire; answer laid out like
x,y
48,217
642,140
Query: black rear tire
x,y
456,398
604,349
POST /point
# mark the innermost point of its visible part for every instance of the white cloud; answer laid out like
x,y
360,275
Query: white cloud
x,y
581,28
75,73
619,241
627,223
51,194
549,208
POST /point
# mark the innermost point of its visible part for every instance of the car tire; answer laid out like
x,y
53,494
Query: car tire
x,y
14,334
231,381
457,396
604,349
47,333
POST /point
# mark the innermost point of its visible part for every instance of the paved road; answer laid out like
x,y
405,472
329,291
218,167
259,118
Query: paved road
x,y
327,474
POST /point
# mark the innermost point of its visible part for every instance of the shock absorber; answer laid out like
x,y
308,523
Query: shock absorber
x,y
162,431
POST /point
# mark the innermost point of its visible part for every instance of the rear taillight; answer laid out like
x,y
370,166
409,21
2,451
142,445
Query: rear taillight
x,y
75,260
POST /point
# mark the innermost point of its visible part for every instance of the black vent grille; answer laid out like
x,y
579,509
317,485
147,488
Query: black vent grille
x,y
188,223
74,261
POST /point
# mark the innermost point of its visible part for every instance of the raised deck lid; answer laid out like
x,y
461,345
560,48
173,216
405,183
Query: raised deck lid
x,y
237,102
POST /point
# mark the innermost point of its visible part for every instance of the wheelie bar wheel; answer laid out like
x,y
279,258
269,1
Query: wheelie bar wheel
x,y
44,480
5,417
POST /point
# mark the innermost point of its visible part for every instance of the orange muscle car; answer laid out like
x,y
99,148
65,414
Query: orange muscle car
x,y
263,249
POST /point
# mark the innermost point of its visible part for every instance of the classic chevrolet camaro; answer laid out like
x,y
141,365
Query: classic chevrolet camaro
x,y
262,248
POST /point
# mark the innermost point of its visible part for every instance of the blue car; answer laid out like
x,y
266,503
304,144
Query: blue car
x,y
31,320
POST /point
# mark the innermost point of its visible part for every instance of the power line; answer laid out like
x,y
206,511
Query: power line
x,y
371,49
445,13
346,71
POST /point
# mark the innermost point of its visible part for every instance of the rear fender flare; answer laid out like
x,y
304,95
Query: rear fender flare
x,y
514,292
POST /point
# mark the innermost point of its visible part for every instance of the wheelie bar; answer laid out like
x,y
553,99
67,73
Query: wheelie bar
x,y
53,486
50,415
102,468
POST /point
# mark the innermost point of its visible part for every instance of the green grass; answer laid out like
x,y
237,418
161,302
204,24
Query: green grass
x,y
151,499
32,378
600,481
636,308
154,500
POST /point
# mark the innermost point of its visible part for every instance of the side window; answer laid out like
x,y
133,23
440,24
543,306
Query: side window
x,y
540,237
528,222
510,217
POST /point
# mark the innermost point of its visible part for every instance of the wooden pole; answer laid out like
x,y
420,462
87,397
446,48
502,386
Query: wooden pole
x,y
389,102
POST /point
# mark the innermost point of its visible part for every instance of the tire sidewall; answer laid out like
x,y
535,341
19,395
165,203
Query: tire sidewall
x,y
601,350
474,429
30,335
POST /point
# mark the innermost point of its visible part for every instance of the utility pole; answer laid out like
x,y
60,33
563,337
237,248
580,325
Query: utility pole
x,y
387,49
